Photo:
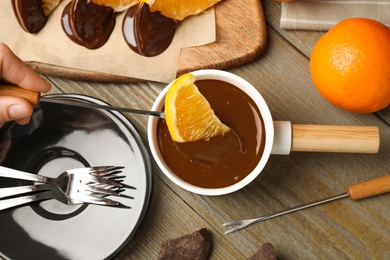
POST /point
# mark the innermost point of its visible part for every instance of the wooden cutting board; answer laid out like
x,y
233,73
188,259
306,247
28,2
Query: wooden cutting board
x,y
241,38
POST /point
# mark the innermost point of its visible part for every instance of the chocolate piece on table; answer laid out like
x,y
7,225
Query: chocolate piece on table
x,y
266,252
194,246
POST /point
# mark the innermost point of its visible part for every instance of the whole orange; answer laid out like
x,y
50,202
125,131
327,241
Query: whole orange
x,y
350,65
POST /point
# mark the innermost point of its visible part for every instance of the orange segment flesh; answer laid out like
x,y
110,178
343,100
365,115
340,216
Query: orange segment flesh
x,y
188,114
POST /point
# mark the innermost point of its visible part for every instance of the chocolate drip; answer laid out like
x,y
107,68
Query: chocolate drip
x,y
30,15
147,33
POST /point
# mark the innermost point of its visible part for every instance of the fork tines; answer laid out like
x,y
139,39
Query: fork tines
x,y
106,171
108,178
111,173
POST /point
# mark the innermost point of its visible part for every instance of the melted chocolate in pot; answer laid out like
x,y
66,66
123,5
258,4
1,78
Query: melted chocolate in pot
x,y
222,160
30,14
147,33
88,24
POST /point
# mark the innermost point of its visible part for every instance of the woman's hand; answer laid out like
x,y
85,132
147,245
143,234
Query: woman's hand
x,y
13,70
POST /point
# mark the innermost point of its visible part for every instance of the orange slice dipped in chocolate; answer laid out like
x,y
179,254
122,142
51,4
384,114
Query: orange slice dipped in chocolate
x,y
90,24
32,15
150,27
147,33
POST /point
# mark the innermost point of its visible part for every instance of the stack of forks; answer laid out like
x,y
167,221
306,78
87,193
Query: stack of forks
x,y
77,186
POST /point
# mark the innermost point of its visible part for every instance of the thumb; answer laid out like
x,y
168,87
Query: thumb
x,y
12,108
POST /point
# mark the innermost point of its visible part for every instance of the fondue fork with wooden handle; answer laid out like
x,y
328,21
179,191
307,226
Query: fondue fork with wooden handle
x,y
358,191
296,137
34,98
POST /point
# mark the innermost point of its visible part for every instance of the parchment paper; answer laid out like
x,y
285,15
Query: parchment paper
x,y
52,46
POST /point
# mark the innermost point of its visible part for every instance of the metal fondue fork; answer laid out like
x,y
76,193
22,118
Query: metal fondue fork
x,y
355,192
34,98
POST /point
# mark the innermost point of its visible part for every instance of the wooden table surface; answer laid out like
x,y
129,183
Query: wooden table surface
x,y
342,229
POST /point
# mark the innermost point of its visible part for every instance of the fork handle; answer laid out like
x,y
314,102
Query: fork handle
x,y
9,89
10,203
369,188
20,190
15,174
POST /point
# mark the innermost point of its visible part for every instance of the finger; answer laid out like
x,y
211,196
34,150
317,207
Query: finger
x,y
23,121
14,70
13,108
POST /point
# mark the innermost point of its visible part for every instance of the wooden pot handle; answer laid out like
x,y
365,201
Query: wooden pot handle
x,y
329,138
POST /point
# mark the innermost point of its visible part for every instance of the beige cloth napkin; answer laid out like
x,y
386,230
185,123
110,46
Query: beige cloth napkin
x,y
323,14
